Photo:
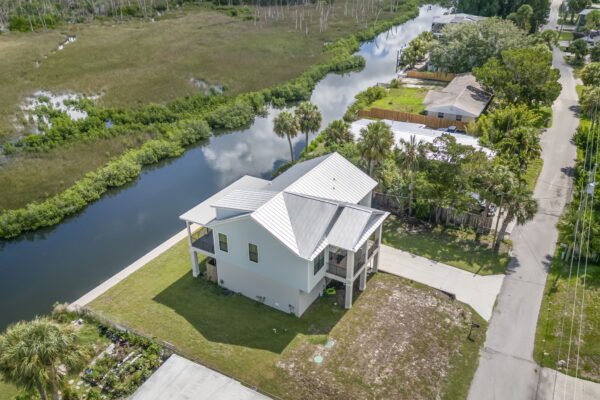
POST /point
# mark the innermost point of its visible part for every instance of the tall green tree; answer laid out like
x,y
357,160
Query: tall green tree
x,y
577,6
337,132
286,124
590,101
519,147
502,8
31,353
411,156
521,76
579,48
590,74
592,20
493,126
375,144
463,47
522,17
309,117
520,206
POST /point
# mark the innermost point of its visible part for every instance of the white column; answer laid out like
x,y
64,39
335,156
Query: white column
x,y
362,283
376,257
195,265
349,280
187,225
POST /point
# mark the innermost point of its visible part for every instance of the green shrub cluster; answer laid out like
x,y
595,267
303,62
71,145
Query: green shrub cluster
x,y
94,184
364,99
179,123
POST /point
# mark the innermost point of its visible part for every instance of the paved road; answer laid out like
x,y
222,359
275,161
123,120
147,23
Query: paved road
x,y
506,369
478,291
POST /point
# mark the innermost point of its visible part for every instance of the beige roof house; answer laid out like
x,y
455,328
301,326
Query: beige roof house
x,y
462,100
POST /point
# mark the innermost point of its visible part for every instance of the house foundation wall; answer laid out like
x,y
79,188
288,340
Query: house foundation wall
x,y
264,290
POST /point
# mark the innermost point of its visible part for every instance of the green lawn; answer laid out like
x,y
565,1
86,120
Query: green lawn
x,y
376,353
558,292
403,99
7,391
450,246
564,35
533,172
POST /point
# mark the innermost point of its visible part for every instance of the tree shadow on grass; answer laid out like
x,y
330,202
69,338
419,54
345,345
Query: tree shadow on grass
x,y
223,317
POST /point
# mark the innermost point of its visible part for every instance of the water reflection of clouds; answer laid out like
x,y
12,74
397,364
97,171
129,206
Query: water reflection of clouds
x,y
255,151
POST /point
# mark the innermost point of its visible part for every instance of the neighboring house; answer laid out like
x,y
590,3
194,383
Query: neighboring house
x,y
462,100
403,131
440,21
280,242
581,21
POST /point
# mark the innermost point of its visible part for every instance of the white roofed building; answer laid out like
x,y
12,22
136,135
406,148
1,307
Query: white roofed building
x,y
281,241
440,21
403,131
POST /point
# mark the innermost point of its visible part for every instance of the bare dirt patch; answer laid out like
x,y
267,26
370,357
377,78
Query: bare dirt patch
x,y
400,341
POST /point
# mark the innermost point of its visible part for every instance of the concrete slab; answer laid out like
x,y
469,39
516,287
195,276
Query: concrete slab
x,y
182,379
475,290
556,386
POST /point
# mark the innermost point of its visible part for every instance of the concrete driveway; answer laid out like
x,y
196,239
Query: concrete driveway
x,y
475,290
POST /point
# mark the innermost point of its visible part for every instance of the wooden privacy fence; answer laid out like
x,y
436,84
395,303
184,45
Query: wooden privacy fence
x,y
439,215
432,76
431,122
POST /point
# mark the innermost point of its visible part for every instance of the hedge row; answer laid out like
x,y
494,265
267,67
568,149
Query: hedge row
x,y
178,129
116,173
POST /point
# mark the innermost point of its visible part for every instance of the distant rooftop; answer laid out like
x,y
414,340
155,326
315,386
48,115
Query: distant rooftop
x,y
404,130
456,19
463,96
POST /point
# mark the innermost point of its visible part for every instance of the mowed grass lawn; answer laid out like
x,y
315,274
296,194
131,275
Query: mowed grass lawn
x,y
400,340
404,99
449,246
559,293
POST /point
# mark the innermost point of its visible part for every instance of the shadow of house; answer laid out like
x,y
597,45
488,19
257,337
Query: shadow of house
x,y
225,317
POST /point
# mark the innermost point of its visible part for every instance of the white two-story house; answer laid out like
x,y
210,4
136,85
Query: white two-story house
x,y
280,242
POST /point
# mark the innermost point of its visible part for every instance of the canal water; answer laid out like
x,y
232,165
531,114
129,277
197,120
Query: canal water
x,y
64,262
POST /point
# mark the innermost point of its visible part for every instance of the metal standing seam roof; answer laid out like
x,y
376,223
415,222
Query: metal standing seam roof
x,y
246,200
463,96
204,212
311,204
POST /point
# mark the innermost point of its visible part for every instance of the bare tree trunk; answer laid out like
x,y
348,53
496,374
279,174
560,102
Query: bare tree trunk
x,y
42,391
291,147
502,233
411,190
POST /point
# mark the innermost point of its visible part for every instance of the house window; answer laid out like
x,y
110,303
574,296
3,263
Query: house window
x,y
253,252
319,262
459,117
440,115
223,242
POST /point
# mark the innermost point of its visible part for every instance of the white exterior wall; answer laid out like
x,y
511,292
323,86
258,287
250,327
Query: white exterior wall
x,y
306,299
275,261
248,283
366,201
452,117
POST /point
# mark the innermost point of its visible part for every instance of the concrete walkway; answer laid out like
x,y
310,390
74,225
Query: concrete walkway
x,y
475,290
181,379
139,263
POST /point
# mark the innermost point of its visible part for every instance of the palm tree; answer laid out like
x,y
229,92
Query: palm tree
x,y
286,125
410,158
309,117
31,352
520,205
492,185
521,145
337,132
375,143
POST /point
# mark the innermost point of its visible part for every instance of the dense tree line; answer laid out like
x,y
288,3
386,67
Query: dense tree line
x,y
504,8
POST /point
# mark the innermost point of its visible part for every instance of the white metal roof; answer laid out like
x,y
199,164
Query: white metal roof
x,y
246,200
456,18
306,207
404,131
204,212
329,177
